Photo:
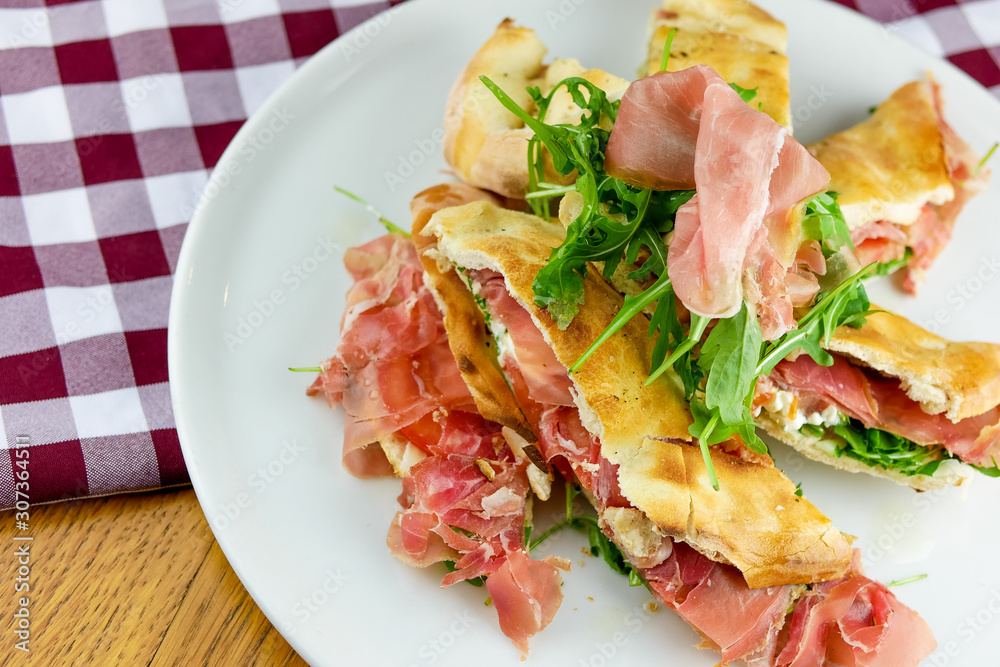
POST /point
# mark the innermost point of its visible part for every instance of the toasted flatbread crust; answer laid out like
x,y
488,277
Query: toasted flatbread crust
x,y
808,447
517,245
644,429
732,17
476,123
468,336
960,379
754,521
737,59
890,165
485,144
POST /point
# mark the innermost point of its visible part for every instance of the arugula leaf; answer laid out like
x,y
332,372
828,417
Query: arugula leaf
x,y
890,267
601,546
666,49
986,158
823,221
908,580
746,94
732,350
393,229
993,471
875,447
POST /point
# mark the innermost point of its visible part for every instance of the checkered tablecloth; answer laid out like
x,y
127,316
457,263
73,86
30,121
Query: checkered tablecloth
x,y
111,114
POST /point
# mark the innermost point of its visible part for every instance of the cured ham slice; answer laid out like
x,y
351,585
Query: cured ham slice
x,y
856,622
879,241
932,231
689,129
526,594
546,377
393,367
699,589
465,501
880,402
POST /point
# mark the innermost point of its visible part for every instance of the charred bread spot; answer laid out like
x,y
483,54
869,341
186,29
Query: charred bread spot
x,y
535,457
466,366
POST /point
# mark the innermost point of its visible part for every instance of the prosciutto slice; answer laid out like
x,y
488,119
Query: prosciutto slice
x,y
526,594
689,129
880,402
546,377
879,241
855,622
932,231
393,369
465,500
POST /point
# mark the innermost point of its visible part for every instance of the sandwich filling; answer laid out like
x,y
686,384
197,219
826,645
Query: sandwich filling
x,y
856,412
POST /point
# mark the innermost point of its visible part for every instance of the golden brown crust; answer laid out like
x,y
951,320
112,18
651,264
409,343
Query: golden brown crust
x,y
468,338
732,17
485,144
890,165
737,59
809,447
641,428
755,520
517,245
512,58
960,379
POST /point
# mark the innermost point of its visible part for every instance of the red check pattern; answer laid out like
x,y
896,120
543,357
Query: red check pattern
x,y
112,112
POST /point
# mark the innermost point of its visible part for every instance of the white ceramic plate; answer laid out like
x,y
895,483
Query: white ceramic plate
x,y
260,287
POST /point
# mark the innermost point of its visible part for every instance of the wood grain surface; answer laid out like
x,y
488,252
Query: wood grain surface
x,y
131,580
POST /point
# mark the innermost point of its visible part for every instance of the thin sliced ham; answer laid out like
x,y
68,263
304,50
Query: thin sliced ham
x,y
855,622
546,377
879,241
843,383
526,594
880,402
690,129
393,366
929,235
394,374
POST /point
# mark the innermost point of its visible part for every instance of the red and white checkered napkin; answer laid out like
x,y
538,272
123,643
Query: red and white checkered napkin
x,y
965,32
111,114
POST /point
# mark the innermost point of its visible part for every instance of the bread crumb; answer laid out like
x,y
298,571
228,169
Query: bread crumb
x,y
651,607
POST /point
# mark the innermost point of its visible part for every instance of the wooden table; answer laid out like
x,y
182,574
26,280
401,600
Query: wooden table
x,y
132,580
